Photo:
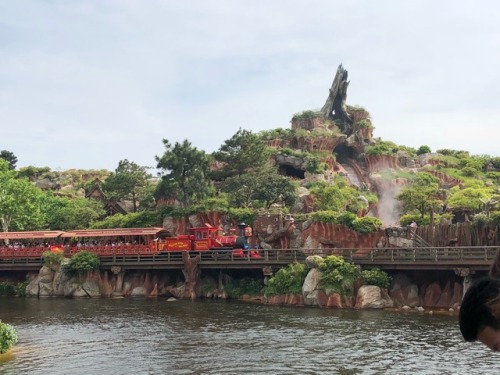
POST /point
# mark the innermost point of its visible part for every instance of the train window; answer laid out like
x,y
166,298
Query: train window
x,y
198,235
204,234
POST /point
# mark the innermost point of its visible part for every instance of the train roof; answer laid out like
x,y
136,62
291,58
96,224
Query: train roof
x,y
115,232
30,235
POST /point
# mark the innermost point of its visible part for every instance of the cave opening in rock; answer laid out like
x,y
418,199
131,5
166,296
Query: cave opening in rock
x,y
289,171
344,152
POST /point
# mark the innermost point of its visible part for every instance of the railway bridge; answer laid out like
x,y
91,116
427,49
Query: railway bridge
x,y
389,259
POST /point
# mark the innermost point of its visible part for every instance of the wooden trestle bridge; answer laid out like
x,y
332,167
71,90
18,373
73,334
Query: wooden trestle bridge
x,y
412,258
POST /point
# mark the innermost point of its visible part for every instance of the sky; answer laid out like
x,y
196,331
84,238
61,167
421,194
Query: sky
x,y
85,84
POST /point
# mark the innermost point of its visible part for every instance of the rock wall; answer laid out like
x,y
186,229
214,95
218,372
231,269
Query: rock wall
x,y
52,282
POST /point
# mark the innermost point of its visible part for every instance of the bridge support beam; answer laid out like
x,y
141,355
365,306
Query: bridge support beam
x,y
119,273
466,273
268,272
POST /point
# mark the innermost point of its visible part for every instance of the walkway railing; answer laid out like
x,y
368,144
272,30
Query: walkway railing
x,y
415,258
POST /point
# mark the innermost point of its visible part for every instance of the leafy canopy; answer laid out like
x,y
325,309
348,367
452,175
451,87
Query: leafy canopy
x,y
421,195
243,152
20,202
130,181
185,175
8,337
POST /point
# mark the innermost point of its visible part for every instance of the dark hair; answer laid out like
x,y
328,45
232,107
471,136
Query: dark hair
x,y
476,311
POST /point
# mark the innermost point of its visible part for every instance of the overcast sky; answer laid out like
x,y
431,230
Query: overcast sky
x,y
85,84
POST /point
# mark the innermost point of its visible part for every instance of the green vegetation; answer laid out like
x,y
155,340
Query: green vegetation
x,y
365,224
422,195
10,158
64,213
278,133
139,219
339,196
20,288
338,275
8,337
131,181
424,149
235,288
6,289
82,263
244,152
185,176
382,148
364,124
306,115
376,277
52,258
287,280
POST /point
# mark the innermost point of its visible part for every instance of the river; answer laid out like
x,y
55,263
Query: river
x,y
150,336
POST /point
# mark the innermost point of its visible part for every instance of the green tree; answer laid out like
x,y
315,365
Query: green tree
x,y
130,181
472,197
243,152
185,175
335,197
10,158
65,213
260,188
421,195
32,173
274,188
424,149
20,202
82,263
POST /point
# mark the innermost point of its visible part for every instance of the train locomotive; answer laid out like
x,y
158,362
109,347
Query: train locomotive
x,y
209,237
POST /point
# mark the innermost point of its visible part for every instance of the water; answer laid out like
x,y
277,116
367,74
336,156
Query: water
x,y
149,336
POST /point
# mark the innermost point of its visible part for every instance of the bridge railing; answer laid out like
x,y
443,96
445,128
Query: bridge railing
x,y
412,255
212,256
435,255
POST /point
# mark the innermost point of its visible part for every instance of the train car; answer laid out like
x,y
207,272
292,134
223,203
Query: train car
x,y
203,238
114,241
209,237
123,241
28,244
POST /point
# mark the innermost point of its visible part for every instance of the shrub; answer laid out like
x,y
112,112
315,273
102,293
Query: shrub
x,y
313,165
242,215
376,277
347,219
81,263
424,149
364,124
288,280
246,285
366,224
325,216
407,219
480,220
338,275
470,171
8,337
6,289
495,217
53,257
20,288
306,115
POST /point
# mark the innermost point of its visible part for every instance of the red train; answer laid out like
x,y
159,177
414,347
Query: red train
x,y
120,241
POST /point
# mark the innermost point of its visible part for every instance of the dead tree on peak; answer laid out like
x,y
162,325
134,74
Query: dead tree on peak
x,y
335,107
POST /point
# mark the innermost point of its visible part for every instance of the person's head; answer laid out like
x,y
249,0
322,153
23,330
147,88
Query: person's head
x,y
480,313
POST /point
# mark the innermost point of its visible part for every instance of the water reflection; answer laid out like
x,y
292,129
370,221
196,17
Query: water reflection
x,y
149,336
